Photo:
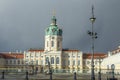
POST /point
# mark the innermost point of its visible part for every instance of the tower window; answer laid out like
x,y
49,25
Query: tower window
x,y
52,43
57,60
58,43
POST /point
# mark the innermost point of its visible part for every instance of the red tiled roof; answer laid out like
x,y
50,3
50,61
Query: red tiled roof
x,y
70,50
116,51
36,50
96,55
41,50
12,55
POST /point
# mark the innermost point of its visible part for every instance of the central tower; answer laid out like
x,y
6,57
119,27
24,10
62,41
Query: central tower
x,y
53,36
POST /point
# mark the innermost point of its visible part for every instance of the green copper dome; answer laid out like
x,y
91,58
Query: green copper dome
x,y
53,29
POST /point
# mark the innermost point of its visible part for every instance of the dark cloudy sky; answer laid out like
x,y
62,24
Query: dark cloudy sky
x,y
23,22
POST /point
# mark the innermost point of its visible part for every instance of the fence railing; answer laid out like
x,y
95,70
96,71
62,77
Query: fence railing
x,y
57,74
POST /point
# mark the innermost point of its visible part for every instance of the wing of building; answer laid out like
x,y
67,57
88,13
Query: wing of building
x,y
12,61
112,59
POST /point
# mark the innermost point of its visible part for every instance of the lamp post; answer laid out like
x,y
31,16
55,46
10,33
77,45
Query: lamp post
x,y
26,70
50,71
94,36
99,73
113,67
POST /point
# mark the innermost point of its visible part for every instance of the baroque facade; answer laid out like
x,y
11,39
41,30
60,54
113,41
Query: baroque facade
x,y
59,58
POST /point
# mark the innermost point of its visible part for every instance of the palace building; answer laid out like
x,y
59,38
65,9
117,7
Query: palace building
x,y
61,60
67,60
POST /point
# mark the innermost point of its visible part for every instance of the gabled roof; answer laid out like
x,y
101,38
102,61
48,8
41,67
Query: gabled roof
x,y
12,55
96,55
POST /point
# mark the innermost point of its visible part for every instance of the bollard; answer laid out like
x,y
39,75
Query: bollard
x,y
3,75
99,75
75,76
27,75
50,74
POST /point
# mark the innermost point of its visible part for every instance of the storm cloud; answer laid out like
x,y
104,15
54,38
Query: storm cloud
x,y
23,22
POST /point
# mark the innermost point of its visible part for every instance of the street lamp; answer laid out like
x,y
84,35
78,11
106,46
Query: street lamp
x,y
50,71
113,67
94,36
99,73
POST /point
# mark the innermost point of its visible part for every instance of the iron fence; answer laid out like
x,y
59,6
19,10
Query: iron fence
x,y
63,74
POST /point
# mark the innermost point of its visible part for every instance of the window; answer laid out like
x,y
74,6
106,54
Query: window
x,y
14,61
64,62
18,61
58,44
41,62
68,62
6,61
36,62
78,62
22,62
73,62
10,61
52,43
88,62
57,60
95,62
47,59
52,60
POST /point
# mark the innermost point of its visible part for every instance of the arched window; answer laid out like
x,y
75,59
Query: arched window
x,y
57,60
58,44
52,43
52,60
47,59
